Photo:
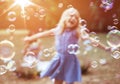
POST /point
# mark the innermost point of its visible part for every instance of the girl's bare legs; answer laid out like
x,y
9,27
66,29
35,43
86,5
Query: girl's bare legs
x,y
58,81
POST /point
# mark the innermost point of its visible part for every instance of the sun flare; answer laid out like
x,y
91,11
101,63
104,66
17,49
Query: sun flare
x,y
22,3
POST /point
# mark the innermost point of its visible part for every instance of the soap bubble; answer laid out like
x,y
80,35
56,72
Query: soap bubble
x,y
3,69
11,66
113,38
94,64
106,4
60,5
12,16
6,50
30,59
116,54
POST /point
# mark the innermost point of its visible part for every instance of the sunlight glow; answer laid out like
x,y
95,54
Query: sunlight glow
x,y
23,3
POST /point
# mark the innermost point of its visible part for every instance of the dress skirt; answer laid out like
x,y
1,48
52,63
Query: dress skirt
x,y
64,67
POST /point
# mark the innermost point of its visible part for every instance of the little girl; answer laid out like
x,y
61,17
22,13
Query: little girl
x,y
64,67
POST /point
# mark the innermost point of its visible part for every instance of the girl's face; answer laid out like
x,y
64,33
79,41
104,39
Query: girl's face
x,y
72,20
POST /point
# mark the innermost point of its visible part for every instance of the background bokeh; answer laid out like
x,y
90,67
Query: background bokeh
x,y
98,14
100,17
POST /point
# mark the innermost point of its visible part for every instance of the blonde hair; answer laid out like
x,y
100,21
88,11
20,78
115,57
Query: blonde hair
x,y
64,17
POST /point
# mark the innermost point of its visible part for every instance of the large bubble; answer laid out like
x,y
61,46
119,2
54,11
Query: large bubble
x,y
6,50
113,38
30,60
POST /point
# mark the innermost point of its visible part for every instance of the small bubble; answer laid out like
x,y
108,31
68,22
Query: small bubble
x,y
11,16
11,66
3,69
102,61
115,21
94,64
60,5
116,54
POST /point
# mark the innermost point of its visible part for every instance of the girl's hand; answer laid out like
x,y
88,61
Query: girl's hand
x,y
109,49
27,39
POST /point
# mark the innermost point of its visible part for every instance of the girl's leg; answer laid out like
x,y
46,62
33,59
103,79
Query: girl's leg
x,y
58,81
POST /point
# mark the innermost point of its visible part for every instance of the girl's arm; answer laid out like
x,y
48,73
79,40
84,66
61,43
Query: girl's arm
x,y
98,44
85,36
41,34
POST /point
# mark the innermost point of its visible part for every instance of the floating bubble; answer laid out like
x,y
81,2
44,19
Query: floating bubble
x,y
95,38
11,66
111,27
3,69
12,16
40,29
11,29
6,50
84,33
115,21
83,22
94,64
30,59
60,5
106,4
42,13
46,52
113,38
73,49
116,54
102,61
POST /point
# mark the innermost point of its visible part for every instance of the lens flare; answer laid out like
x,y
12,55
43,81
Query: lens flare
x,y
23,3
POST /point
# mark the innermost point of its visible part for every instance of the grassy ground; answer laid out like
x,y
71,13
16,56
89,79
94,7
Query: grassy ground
x,y
108,73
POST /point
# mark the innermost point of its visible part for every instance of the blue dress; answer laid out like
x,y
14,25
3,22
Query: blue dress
x,y
64,66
